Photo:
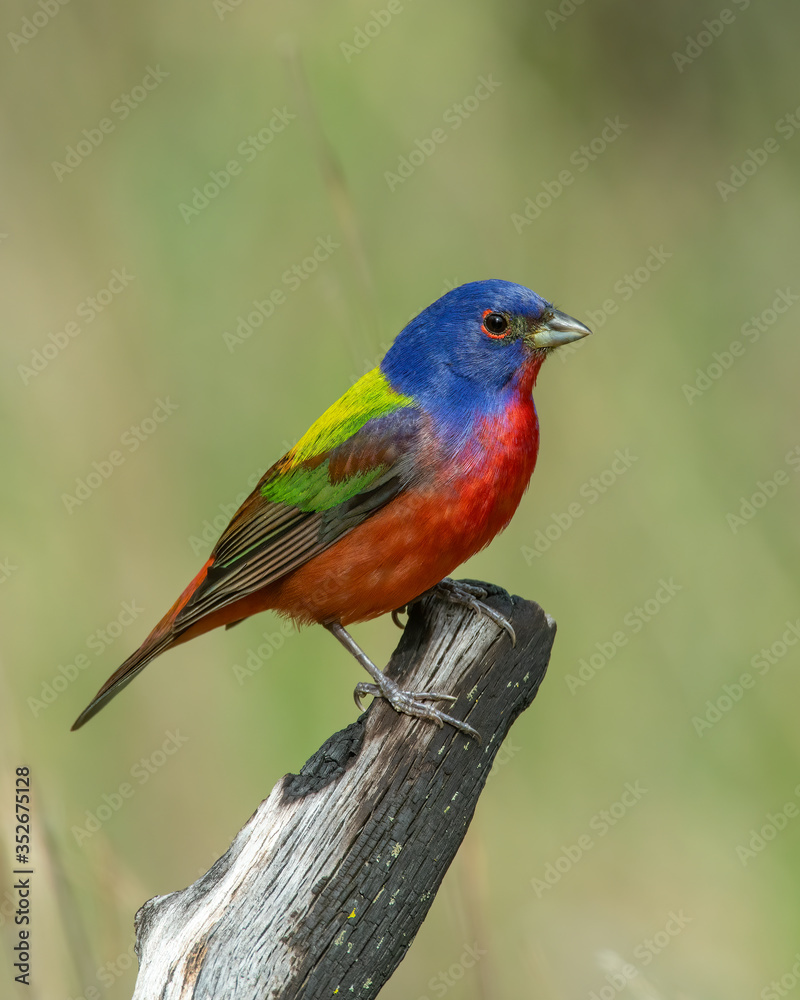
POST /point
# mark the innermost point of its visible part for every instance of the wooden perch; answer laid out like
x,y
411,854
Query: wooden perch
x,y
324,888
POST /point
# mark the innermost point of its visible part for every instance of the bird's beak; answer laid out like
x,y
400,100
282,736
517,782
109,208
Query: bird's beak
x,y
556,329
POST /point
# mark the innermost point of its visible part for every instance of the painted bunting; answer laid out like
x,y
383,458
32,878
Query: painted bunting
x,y
416,468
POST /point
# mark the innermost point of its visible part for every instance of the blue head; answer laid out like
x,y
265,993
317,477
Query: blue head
x,y
474,347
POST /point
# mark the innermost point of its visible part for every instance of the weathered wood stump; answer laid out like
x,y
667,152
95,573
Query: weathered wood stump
x,y
324,888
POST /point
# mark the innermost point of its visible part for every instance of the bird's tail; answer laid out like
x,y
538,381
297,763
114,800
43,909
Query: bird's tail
x,y
123,675
163,636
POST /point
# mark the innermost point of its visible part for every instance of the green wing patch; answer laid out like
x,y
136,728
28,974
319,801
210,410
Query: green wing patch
x,y
311,490
303,478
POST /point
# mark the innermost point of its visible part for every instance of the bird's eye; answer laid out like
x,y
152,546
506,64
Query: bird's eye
x,y
495,324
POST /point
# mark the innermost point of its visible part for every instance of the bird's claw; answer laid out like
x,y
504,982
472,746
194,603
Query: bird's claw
x,y
396,617
365,687
471,595
413,703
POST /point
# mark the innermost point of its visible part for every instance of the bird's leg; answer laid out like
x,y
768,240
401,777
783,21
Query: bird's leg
x,y
409,702
471,595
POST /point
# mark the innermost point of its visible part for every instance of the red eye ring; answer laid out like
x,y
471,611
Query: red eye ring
x,y
500,330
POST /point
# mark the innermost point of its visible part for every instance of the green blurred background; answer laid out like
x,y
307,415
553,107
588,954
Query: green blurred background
x,y
703,260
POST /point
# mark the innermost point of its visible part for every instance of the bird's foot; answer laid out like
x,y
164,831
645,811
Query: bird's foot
x,y
472,595
396,616
413,703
